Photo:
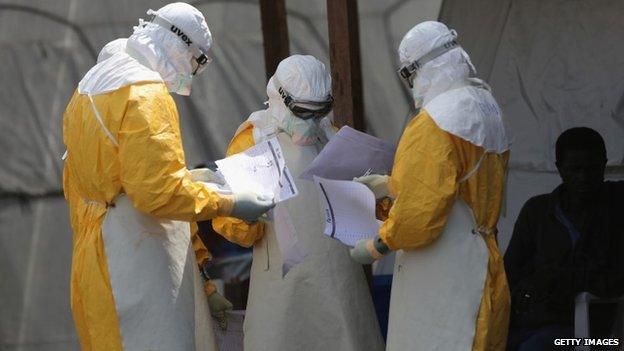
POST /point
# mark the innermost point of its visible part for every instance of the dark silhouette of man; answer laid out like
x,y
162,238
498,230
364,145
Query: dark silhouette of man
x,y
564,243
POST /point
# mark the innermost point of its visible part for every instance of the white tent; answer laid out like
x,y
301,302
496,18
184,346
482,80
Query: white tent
x,y
552,65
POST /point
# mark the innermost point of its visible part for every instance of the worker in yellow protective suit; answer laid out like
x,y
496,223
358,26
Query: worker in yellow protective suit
x,y
305,291
216,302
449,290
134,281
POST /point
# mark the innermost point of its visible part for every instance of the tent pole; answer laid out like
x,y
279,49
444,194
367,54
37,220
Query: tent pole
x,y
274,34
346,72
344,54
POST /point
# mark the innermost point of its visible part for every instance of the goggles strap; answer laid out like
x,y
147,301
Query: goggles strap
x,y
291,103
299,111
288,100
408,70
197,53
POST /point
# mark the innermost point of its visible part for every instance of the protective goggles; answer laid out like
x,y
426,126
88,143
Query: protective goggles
x,y
307,109
200,59
408,72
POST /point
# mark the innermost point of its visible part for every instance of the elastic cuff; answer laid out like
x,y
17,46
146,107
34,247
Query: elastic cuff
x,y
370,247
226,204
381,247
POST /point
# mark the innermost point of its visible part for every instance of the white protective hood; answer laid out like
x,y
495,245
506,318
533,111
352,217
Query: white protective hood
x,y
305,78
151,54
113,47
446,88
117,71
164,50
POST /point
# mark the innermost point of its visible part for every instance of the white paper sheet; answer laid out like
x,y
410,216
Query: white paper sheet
x,y
260,169
349,210
350,154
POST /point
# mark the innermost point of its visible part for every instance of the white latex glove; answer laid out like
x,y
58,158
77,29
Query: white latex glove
x,y
249,207
206,175
367,251
218,304
377,183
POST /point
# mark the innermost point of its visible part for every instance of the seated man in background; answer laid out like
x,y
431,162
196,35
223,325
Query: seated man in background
x,y
564,243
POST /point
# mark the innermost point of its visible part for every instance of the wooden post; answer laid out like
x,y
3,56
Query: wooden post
x,y
346,72
344,54
274,34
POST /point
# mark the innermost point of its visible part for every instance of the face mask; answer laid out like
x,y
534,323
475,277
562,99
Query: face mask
x,y
181,85
302,132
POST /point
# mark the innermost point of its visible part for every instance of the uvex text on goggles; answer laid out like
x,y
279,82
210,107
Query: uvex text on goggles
x,y
408,72
306,109
200,59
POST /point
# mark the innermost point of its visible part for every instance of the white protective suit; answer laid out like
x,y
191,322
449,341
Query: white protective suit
x,y
322,303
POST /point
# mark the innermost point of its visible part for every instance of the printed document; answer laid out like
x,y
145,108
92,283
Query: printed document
x,y
349,210
260,169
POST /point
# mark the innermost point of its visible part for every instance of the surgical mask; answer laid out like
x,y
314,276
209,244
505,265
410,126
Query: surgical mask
x,y
302,132
181,84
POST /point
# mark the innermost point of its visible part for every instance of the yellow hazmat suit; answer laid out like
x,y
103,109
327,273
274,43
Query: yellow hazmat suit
x,y
429,162
148,166
449,290
134,281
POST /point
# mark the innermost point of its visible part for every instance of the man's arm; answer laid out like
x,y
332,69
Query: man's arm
x,y
521,249
424,185
604,276
233,229
153,172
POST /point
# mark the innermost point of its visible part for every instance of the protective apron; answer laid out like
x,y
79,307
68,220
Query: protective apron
x,y
322,303
155,281
432,304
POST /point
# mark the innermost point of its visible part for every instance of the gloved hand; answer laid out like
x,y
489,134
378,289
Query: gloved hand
x,y
367,251
377,183
206,175
249,206
218,305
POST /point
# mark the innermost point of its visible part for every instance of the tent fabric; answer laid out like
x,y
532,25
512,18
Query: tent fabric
x,y
42,64
551,64
35,257
557,67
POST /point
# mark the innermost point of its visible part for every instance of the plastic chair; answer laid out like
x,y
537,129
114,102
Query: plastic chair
x,y
582,322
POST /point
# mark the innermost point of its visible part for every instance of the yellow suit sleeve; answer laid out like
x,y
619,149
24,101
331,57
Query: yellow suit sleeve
x,y
201,251
234,229
423,183
153,169
382,208
201,254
